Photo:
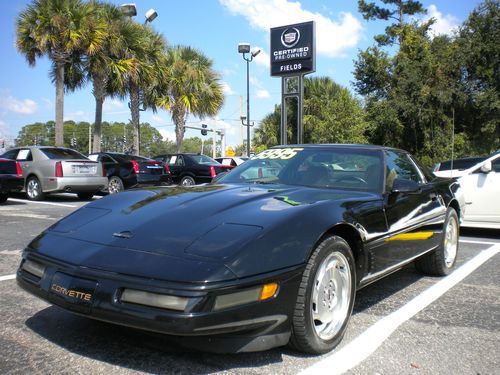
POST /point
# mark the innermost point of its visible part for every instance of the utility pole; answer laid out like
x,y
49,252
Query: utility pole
x,y
90,139
241,115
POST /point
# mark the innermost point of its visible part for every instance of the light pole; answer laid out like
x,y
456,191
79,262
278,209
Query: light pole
x,y
244,48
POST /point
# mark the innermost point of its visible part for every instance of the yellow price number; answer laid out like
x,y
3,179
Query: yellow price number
x,y
279,153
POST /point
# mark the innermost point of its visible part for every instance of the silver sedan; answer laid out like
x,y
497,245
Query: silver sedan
x,y
48,169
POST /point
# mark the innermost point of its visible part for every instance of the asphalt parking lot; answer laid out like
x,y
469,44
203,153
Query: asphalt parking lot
x,y
404,324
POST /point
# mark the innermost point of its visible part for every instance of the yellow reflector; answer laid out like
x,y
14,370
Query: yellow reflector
x,y
268,291
417,236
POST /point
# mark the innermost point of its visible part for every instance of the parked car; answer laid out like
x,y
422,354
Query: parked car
x,y
449,168
249,263
232,161
128,171
11,178
481,189
48,169
190,169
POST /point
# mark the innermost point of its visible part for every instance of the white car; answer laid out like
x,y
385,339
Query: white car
x,y
481,188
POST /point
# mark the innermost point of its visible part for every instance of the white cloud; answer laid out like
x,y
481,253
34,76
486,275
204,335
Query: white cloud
x,y
167,134
21,106
226,88
332,37
262,94
444,24
77,116
262,58
114,106
160,120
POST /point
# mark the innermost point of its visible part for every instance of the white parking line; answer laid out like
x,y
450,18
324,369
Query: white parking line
x,y
479,242
365,344
48,203
7,277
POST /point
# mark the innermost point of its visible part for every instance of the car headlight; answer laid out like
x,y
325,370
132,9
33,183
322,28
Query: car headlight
x,y
260,293
34,268
162,301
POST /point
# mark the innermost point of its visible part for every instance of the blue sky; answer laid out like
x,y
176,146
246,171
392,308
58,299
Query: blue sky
x,y
214,27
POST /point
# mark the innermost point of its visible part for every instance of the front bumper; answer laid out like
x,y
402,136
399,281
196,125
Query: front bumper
x,y
251,327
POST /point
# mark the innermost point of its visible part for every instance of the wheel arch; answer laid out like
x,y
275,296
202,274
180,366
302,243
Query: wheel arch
x,y
456,206
32,174
352,236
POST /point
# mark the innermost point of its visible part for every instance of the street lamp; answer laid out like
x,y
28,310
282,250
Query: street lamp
x,y
150,16
244,48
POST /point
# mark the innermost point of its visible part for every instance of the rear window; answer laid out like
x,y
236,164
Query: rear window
x,y
124,157
202,159
62,153
460,164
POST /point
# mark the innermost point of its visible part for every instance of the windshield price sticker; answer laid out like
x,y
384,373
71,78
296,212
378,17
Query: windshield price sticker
x,y
279,153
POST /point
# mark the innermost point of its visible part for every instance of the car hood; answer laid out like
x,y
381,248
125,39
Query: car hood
x,y
210,222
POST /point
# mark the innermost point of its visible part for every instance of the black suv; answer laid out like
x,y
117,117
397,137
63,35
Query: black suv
x,y
191,169
127,171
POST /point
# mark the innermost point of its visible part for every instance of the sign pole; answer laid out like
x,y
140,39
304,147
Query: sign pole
x,y
293,55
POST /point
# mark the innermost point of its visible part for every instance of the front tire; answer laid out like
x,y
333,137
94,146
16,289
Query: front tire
x,y
440,262
3,197
325,298
85,196
34,190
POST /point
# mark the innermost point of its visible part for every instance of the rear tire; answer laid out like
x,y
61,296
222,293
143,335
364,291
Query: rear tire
x,y
115,185
325,298
3,197
440,262
34,190
187,181
85,196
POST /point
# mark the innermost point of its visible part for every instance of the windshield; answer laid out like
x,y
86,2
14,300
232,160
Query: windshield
x,y
62,153
328,167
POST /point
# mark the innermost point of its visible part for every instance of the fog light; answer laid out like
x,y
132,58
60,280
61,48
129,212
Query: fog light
x,y
34,268
260,293
163,301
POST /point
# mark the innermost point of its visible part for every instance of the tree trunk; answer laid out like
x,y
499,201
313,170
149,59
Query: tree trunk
x,y
98,92
134,109
179,120
59,141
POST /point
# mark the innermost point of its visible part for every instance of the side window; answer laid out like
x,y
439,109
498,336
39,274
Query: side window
x,y
106,159
12,154
180,161
24,155
399,165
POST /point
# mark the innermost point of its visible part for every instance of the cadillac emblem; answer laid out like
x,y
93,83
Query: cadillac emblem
x,y
290,37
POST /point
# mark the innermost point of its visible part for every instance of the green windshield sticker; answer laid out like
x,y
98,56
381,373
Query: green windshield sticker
x,y
287,200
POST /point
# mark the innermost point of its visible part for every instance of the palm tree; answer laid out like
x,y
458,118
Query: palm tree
x,y
59,29
107,63
191,86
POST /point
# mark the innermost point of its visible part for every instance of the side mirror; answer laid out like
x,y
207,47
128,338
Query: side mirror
x,y
486,167
405,186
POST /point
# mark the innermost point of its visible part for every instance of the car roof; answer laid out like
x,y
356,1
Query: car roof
x,y
341,145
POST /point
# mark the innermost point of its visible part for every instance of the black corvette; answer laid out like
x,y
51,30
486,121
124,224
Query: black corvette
x,y
270,254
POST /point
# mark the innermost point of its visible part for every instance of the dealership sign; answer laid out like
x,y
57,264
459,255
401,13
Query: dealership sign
x,y
292,49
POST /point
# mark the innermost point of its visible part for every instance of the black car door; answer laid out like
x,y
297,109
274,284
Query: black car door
x,y
111,165
414,217
176,165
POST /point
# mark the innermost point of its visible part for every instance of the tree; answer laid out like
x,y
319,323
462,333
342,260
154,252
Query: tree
x,y
58,29
189,86
371,11
331,115
477,53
